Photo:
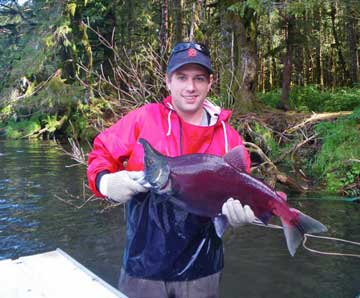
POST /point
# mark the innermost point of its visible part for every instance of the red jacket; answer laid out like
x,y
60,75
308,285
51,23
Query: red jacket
x,y
163,241
160,125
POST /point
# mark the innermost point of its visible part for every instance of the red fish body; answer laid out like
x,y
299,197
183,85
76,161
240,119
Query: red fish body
x,y
201,183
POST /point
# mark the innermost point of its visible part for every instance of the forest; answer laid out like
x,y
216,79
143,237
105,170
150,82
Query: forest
x,y
289,69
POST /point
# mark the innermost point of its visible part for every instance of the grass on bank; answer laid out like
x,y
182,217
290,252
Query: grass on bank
x,y
312,99
337,163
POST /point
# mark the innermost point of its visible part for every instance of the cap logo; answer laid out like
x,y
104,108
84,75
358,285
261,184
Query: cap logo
x,y
192,52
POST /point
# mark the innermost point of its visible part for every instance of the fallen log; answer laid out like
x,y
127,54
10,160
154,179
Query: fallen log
x,y
317,117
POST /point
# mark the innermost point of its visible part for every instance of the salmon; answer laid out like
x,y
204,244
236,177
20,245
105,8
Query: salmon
x,y
202,183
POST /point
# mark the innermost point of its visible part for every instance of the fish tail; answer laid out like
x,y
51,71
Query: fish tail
x,y
294,233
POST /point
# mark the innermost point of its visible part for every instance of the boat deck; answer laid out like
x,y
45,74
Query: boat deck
x,y
52,274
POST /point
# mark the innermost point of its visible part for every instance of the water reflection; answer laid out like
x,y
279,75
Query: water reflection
x,y
257,262
259,265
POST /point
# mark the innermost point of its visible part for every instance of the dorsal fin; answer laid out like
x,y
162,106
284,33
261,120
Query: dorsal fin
x,y
237,158
282,195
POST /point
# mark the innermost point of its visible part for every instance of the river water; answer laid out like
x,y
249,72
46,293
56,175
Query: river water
x,y
34,175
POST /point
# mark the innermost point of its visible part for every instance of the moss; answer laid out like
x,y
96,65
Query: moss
x,y
310,98
268,138
334,163
17,130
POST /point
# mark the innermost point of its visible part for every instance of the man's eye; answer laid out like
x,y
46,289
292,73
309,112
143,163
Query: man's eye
x,y
200,79
181,78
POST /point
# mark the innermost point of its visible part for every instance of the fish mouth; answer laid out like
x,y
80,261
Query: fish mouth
x,y
159,183
142,181
165,188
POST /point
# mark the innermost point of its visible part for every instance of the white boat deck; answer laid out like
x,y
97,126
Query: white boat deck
x,y
52,274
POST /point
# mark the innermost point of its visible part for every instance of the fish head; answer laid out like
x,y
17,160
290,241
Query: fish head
x,y
156,167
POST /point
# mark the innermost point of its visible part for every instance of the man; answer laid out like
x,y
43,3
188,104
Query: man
x,y
169,252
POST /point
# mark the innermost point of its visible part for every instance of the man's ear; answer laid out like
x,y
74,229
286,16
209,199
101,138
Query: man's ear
x,y
211,79
167,80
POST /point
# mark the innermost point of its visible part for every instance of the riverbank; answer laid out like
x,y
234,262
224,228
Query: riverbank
x,y
305,152
314,147
300,152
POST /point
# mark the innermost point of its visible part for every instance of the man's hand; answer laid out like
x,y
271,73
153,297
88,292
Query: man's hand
x,y
121,186
236,214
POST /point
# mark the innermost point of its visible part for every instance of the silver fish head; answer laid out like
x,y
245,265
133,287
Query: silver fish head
x,y
156,167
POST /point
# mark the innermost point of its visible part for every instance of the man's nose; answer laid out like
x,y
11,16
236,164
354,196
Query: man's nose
x,y
190,86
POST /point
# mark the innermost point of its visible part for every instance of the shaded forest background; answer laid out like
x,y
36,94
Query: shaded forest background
x,y
289,69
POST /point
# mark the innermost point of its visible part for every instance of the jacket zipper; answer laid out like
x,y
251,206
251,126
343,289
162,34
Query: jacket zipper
x,y
181,138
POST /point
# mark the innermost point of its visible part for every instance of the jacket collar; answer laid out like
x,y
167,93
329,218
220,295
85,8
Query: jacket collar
x,y
216,113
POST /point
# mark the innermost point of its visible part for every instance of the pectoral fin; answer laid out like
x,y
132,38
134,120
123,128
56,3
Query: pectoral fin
x,y
220,223
265,217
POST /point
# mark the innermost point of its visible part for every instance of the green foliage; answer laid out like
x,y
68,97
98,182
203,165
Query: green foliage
x,y
220,101
57,96
340,145
270,98
16,130
48,42
268,138
28,50
310,98
71,8
355,116
79,125
6,112
36,126
50,108
51,123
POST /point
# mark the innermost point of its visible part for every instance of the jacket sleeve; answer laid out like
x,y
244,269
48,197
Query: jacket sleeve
x,y
112,147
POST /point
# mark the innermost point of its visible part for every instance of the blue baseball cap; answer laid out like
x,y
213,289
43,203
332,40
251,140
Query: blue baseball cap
x,y
187,53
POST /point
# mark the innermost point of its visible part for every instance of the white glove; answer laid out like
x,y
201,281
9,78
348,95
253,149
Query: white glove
x,y
121,186
236,214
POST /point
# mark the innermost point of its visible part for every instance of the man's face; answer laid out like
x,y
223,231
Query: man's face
x,y
189,86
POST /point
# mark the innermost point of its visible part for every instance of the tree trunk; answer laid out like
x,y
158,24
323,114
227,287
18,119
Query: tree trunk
x,y
272,73
352,41
286,81
337,45
319,73
110,22
262,73
178,21
286,76
268,62
305,65
164,29
333,69
89,61
130,24
243,86
321,66
317,33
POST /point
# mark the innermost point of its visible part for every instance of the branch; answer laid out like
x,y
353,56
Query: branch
x,y
77,153
255,148
17,11
280,176
354,160
317,117
39,87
